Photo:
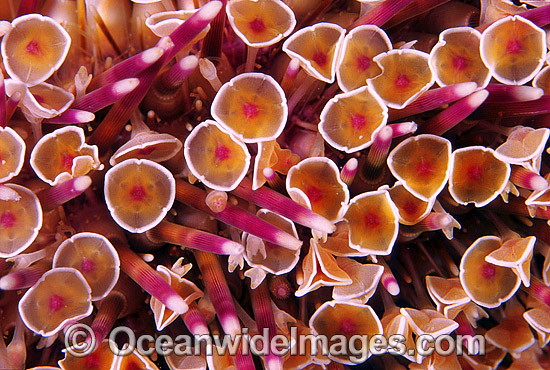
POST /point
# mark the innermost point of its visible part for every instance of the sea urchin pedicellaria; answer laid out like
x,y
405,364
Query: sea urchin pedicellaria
x,y
338,170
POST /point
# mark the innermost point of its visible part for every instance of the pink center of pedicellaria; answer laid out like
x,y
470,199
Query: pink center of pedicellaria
x,y
474,173
67,161
347,327
147,150
358,121
87,265
132,365
410,208
56,303
7,220
222,153
424,167
320,58
250,110
257,25
138,193
92,361
363,63
459,63
314,194
402,81
488,271
282,292
513,47
33,48
371,221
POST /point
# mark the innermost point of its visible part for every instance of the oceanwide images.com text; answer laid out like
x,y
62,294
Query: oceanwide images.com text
x,y
80,342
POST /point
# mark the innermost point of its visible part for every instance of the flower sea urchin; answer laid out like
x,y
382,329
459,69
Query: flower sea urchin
x,y
294,161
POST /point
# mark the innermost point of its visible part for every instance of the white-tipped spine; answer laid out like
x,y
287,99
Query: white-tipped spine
x,y
476,99
390,284
190,62
123,87
177,304
539,183
527,93
209,10
349,170
403,128
288,241
83,116
7,282
528,179
151,55
230,247
465,88
82,183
